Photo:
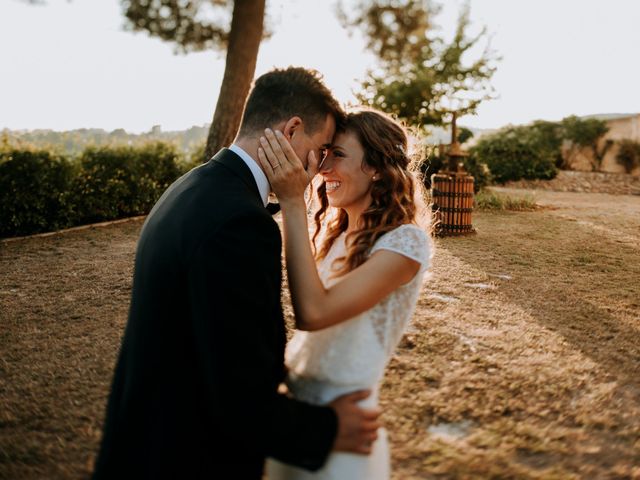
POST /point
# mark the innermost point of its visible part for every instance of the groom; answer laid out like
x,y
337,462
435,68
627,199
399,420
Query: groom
x,y
195,390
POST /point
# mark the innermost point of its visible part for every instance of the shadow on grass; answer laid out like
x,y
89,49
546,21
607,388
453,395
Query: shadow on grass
x,y
580,284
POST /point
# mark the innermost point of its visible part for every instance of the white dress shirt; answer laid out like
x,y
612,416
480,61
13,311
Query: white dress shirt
x,y
261,179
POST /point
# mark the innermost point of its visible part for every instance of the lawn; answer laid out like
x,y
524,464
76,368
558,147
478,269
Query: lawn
x,y
523,360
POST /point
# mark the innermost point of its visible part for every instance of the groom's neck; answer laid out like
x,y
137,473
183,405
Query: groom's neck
x,y
249,145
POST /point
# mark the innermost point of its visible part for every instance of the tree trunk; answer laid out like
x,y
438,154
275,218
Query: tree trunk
x,y
240,67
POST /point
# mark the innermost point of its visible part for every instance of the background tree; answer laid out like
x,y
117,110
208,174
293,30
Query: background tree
x,y
195,25
628,154
420,78
547,138
587,133
464,134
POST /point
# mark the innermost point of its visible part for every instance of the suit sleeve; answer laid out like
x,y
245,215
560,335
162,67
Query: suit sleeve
x,y
234,287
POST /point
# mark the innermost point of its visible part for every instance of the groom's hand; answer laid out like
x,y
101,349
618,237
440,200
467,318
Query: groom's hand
x,y
357,427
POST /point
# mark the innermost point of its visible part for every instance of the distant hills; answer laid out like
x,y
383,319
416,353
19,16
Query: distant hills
x,y
73,142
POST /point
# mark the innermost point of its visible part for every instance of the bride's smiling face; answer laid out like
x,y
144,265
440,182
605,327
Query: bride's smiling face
x,y
347,177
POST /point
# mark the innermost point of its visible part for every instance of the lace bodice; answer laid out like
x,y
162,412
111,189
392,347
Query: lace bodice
x,y
353,354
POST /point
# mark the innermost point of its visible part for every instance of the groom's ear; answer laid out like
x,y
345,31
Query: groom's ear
x,y
292,126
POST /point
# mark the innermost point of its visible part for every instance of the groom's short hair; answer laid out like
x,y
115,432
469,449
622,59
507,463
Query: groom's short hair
x,y
284,93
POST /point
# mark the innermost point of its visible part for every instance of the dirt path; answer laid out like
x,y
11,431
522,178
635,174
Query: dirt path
x,y
523,360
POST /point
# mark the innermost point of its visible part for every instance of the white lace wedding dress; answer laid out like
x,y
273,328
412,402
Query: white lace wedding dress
x,y
352,355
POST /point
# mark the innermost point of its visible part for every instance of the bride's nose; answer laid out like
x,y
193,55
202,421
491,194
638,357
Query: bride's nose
x,y
327,164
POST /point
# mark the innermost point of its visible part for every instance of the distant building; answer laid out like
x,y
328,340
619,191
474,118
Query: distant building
x,y
620,128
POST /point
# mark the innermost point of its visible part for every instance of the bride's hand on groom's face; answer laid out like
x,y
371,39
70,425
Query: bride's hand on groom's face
x,y
285,171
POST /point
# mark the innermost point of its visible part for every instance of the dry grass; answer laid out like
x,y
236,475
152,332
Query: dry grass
x,y
523,360
488,199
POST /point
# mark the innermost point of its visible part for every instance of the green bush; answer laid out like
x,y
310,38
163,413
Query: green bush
x,y
514,153
117,182
193,158
35,191
548,138
43,191
628,155
436,161
480,171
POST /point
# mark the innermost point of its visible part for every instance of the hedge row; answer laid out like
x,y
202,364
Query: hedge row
x,y
42,191
514,153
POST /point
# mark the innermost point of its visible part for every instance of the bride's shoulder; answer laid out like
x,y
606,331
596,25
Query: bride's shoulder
x,y
407,239
409,231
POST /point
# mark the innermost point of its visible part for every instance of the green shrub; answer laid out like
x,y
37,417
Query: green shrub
x,y
43,191
35,191
117,182
548,138
193,158
480,171
436,161
514,153
628,155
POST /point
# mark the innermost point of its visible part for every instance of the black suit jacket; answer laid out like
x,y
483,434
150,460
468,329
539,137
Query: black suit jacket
x,y
194,393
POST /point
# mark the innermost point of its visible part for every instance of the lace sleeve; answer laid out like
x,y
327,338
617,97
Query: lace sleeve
x,y
392,315
408,240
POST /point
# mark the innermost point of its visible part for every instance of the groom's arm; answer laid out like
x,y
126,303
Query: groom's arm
x,y
234,284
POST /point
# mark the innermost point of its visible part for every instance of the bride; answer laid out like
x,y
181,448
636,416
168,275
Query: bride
x,y
355,292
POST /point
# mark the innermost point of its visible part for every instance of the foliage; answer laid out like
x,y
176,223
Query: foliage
x,y
583,132
535,151
436,160
35,191
548,137
514,153
193,158
464,134
184,23
587,133
421,78
72,143
236,27
42,191
480,172
124,181
628,155
487,199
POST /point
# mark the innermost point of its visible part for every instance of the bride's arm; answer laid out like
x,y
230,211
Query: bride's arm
x,y
315,306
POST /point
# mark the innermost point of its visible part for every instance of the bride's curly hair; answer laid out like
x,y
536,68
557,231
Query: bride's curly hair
x,y
397,196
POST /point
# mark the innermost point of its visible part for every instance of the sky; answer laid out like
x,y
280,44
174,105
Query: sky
x,y
70,64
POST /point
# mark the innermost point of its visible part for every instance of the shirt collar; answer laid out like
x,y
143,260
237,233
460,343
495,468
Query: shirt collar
x,y
258,174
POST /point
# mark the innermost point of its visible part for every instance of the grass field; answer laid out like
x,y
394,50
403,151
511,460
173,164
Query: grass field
x,y
523,360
